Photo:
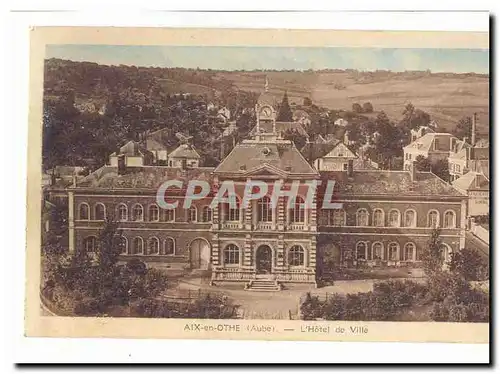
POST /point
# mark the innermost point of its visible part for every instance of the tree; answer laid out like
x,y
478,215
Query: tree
x,y
285,112
414,118
422,163
307,101
367,107
109,247
297,138
440,168
356,108
463,128
468,264
432,260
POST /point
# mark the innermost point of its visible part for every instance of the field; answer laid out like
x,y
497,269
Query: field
x,y
447,97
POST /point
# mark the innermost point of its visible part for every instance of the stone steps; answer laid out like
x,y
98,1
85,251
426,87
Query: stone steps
x,y
263,285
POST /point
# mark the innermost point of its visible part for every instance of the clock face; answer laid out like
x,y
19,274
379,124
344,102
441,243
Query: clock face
x,y
266,112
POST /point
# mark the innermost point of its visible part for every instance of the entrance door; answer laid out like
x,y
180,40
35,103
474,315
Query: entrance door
x,y
199,252
264,259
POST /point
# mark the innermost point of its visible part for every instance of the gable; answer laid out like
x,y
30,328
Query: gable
x,y
341,150
266,170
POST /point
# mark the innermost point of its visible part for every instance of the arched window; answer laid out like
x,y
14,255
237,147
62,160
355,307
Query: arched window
x,y
153,246
449,219
169,247
90,244
154,213
393,252
207,214
394,218
138,213
231,255
99,212
433,219
377,251
84,211
361,250
336,217
410,218
138,246
264,210
231,212
362,217
298,212
122,243
378,218
169,215
122,212
296,256
193,214
410,252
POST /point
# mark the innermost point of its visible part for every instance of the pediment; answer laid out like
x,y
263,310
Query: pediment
x,y
266,170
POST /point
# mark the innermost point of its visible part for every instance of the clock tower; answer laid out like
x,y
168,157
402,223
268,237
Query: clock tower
x,y
266,115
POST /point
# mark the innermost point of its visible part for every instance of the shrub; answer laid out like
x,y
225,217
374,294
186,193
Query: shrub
x,y
311,308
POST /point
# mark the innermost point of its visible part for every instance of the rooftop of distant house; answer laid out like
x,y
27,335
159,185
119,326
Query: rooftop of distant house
x,y
472,181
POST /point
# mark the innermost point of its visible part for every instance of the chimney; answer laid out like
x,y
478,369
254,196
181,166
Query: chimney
x,y
350,168
413,171
473,130
121,165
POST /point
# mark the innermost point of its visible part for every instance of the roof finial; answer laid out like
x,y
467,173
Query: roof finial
x,y
266,86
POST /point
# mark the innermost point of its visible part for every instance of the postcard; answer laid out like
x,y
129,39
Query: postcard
x,y
258,184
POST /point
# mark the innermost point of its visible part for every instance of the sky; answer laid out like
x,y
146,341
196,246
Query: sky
x,y
279,58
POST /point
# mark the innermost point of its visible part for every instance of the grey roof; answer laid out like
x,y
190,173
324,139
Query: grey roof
x,y
132,148
145,177
251,155
383,182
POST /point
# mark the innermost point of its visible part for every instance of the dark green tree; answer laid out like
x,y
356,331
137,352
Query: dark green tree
x,y
285,112
367,107
356,108
422,163
432,259
307,101
413,118
109,247
468,264
297,138
440,168
463,128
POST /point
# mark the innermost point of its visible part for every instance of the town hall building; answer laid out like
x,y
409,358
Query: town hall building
x,y
385,220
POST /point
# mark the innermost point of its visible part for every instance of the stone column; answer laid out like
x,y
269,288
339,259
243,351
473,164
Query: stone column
x,y
215,218
281,213
280,252
313,219
249,219
247,251
215,250
71,221
273,214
